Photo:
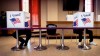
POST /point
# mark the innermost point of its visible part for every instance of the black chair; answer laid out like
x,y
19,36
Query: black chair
x,y
51,31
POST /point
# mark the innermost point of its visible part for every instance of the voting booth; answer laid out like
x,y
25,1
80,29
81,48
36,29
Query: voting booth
x,y
83,19
18,19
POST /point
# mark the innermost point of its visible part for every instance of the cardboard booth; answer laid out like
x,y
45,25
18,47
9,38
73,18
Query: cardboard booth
x,y
18,19
83,19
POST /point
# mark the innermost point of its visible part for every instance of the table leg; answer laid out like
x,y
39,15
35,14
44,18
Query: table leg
x,y
16,48
62,46
84,46
40,47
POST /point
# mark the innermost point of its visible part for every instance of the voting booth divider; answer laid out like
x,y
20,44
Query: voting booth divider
x,y
18,19
21,20
83,19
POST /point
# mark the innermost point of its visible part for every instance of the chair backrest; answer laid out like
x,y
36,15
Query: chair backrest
x,y
51,29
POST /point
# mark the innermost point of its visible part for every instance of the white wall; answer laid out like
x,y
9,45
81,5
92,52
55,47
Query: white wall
x,y
62,14
43,13
52,10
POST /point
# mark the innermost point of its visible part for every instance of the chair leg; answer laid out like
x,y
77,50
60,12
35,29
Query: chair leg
x,y
56,39
45,40
60,40
76,39
71,38
34,40
87,40
48,40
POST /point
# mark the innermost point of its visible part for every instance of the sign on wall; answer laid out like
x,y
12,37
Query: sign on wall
x,y
18,19
83,19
